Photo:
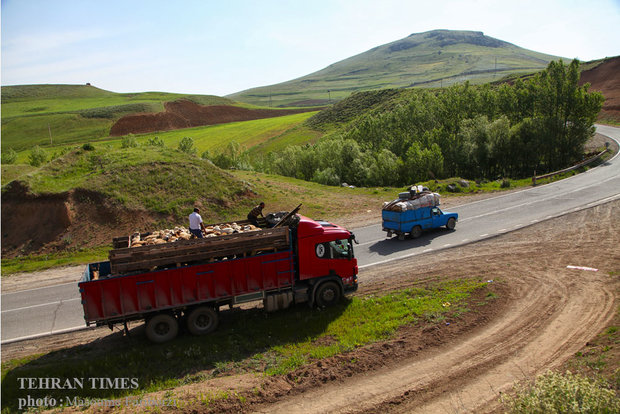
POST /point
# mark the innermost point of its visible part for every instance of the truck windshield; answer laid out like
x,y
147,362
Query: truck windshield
x,y
341,249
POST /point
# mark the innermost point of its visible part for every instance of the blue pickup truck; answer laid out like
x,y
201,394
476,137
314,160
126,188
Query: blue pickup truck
x,y
415,221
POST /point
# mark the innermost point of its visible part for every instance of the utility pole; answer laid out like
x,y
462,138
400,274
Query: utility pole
x,y
329,95
49,128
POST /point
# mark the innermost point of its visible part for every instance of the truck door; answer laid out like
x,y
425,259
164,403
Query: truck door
x,y
437,217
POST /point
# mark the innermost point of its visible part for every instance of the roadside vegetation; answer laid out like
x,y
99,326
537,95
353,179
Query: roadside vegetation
x,y
476,132
257,343
554,392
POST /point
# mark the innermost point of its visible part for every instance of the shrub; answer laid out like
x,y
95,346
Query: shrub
x,y
37,156
129,142
556,393
155,142
88,147
187,145
9,156
505,183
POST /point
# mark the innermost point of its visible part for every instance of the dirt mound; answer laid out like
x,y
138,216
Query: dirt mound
x,y
53,222
605,78
187,114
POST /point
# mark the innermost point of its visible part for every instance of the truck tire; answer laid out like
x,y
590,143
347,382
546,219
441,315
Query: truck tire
x,y
328,294
451,224
202,320
162,328
416,232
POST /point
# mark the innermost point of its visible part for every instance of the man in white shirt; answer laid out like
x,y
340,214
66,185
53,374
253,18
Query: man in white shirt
x,y
196,226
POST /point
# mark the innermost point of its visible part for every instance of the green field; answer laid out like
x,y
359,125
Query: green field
x,y
65,114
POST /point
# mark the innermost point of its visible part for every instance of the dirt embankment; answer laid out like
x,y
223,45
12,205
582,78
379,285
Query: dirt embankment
x,y
186,114
605,78
51,222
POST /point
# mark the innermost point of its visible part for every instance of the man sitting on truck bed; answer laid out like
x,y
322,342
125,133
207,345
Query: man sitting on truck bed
x,y
196,226
255,212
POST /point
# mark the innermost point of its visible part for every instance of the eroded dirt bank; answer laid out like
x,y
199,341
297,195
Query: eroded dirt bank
x,y
55,222
186,114
541,315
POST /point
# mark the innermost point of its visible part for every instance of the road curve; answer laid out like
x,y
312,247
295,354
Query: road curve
x,y
45,311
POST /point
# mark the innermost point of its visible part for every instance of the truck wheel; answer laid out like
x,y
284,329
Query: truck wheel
x,y
202,320
327,294
451,224
416,232
162,328
401,236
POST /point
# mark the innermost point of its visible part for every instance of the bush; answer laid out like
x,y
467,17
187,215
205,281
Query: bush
x,y
568,393
37,156
505,183
187,145
129,142
9,156
88,147
155,142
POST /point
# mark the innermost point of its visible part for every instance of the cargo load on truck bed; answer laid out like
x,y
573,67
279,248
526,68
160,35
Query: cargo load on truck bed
x,y
412,200
181,252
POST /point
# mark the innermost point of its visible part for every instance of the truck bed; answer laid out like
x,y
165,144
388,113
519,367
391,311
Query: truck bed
x,y
118,298
179,253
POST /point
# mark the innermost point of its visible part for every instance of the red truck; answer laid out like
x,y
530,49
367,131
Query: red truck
x,y
188,281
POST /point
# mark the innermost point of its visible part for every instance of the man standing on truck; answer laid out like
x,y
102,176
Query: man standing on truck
x,y
255,212
196,226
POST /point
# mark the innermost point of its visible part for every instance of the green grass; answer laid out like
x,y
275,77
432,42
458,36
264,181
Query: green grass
x,y
159,180
34,263
74,113
278,131
246,341
563,393
431,59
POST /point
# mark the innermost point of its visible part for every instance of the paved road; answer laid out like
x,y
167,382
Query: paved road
x,y
56,309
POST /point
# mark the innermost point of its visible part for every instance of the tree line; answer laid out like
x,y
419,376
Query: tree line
x,y
478,132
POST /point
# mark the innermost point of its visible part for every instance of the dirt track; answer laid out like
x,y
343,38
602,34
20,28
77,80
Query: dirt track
x,y
544,314
551,312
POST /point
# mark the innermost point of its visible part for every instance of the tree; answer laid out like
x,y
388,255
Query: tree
x,y
37,156
187,146
9,156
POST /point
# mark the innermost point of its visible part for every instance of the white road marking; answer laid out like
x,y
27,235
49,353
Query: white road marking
x,y
41,304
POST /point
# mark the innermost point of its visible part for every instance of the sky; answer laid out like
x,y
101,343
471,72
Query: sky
x,y
218,47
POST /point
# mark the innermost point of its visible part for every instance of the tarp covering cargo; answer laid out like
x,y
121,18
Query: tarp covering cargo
x,y
417,200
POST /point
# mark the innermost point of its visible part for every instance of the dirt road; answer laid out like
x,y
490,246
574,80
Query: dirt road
x,y
543,313
550,313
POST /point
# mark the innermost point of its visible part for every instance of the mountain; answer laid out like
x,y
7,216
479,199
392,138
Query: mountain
x,y
430,59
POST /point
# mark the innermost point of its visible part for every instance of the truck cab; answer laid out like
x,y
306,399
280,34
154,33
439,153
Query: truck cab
x,y
325,253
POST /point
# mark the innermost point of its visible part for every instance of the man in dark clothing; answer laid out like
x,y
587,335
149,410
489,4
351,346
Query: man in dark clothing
x,y
256,211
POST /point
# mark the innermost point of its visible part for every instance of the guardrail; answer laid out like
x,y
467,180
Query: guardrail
x,y
574,167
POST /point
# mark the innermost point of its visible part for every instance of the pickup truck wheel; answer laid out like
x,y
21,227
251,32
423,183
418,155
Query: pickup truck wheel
x,y
162,328
202,320
327,294
451,224
416,232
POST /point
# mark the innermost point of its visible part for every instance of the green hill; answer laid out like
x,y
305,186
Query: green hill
x,y
431,59
65,114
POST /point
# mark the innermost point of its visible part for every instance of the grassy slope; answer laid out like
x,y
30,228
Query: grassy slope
x,y
431,59
74,113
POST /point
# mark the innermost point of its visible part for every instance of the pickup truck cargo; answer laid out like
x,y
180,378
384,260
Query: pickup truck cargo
x,y
188,281
414,212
